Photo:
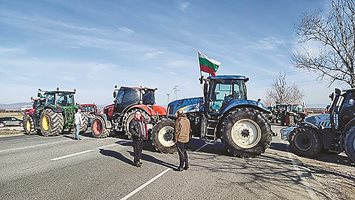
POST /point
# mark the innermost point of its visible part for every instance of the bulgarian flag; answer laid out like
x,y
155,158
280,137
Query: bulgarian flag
x,y
207,64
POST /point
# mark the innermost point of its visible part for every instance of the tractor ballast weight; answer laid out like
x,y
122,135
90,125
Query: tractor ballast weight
x,y
335,132
223,113
127,101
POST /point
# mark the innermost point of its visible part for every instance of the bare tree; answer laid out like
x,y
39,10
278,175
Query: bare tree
x,y
335,34
283,93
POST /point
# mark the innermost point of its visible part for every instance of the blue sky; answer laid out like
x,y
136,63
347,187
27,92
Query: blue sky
x,y
93,45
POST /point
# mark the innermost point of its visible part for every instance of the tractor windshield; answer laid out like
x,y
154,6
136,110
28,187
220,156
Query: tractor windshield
x,y
88,109
64,99
226,91
149,97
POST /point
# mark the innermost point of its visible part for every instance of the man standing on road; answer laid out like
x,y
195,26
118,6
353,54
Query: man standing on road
x,y
182,137
139,131
78,123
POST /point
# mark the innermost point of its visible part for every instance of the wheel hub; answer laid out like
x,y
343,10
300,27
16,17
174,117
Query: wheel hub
x,y
166,135
303,142
246,133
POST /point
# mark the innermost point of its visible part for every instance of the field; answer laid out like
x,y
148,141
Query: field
x,y
11,114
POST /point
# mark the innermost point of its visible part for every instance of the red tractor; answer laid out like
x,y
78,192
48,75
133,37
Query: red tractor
x,y
29,114
89,111
117,116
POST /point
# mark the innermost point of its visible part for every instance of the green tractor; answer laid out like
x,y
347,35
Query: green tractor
x,y
55,115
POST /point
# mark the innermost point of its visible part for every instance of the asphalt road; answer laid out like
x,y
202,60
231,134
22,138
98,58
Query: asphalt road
x,y
36,167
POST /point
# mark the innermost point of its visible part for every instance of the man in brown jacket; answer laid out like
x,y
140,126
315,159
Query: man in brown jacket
x,y
182,137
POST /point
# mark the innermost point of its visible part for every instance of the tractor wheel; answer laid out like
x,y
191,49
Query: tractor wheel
x,y
305,141
29,125
349,144
84,126
246,133
128,118
51,123
98,127
163,136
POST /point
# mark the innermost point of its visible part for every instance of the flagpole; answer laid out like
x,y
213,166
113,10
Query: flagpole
x,y
201,77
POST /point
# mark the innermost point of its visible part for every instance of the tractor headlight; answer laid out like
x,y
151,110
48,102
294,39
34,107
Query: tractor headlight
x,y
285,133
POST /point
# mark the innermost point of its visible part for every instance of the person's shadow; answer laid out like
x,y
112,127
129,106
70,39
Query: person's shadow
x,y
152,159
116,155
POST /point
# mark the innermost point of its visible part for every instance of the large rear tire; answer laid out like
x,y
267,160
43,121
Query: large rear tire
x,y
163,136
84,126
305,141
245,133
29,125
129,117
349,144
51,123
98,127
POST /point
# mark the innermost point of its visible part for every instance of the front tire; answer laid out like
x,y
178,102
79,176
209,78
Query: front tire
x,y
98,127
51,123
246,133
29,125
349,144
305,142
163,136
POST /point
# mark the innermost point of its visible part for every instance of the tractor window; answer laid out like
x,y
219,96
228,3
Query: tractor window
x,y
49,99
131,97
65,99
149,97
119,96
227,91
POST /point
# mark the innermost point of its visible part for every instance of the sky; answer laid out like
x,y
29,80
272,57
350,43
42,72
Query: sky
x,y
93,45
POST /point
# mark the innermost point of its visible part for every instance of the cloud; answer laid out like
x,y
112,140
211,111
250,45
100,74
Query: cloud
x,y
11,50
126,30
268,43
183,6
152,54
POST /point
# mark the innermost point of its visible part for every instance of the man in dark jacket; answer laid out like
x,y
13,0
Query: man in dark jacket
x,y
139,132
182,137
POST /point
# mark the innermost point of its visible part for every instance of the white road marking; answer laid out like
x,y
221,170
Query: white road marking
x,y
71,155
87,151
153,179
38,145
144,185
304,181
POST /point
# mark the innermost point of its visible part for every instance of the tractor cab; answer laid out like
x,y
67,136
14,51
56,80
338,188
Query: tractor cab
x,y
125,97
60,98
220,90
342,108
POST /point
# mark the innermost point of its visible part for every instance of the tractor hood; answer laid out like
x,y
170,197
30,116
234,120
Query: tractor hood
x,y
319,120
186,105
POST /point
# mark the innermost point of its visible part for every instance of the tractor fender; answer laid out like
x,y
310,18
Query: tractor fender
x,y
154,110
55,109
307,124
237,103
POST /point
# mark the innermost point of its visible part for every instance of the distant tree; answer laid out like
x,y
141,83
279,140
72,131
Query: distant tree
x,y
334,32
283,93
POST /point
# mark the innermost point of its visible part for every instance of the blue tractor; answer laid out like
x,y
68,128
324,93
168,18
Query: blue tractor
x,y
333,132
223,113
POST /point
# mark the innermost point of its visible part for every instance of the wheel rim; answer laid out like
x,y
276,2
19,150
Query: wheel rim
x,y
166,135
303,142
45,123
28,125
97,127
246,133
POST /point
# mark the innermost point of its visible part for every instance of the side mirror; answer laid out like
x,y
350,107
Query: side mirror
x,y
337,91
331,96
114,94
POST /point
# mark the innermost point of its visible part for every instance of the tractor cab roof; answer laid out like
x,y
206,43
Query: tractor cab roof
x,y
59,91
349,90
229,77
138,88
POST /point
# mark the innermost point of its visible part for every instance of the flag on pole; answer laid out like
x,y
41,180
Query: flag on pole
x,y
207,64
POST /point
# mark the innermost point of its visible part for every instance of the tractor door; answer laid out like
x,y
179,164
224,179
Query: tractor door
x,y
347,109
223,92
126,98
